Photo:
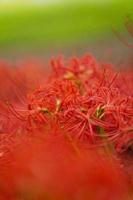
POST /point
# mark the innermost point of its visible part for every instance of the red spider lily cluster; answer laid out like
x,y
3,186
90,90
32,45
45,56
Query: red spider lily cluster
x,y
60,133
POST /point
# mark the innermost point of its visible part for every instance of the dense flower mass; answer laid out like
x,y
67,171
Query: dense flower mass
x,y
60,132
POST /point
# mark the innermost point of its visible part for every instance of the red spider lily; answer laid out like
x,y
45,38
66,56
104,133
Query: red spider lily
x,y
50,169
20,79
45,131
74,102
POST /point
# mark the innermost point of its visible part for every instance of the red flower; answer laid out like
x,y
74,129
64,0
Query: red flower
x,y
46,134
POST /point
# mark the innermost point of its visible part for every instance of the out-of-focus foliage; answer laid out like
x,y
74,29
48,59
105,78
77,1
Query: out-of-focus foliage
x,y
60,24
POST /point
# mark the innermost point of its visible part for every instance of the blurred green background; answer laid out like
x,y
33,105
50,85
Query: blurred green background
x,y
57,26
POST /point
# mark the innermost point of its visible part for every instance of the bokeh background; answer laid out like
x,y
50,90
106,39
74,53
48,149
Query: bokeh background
x,y
47,28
